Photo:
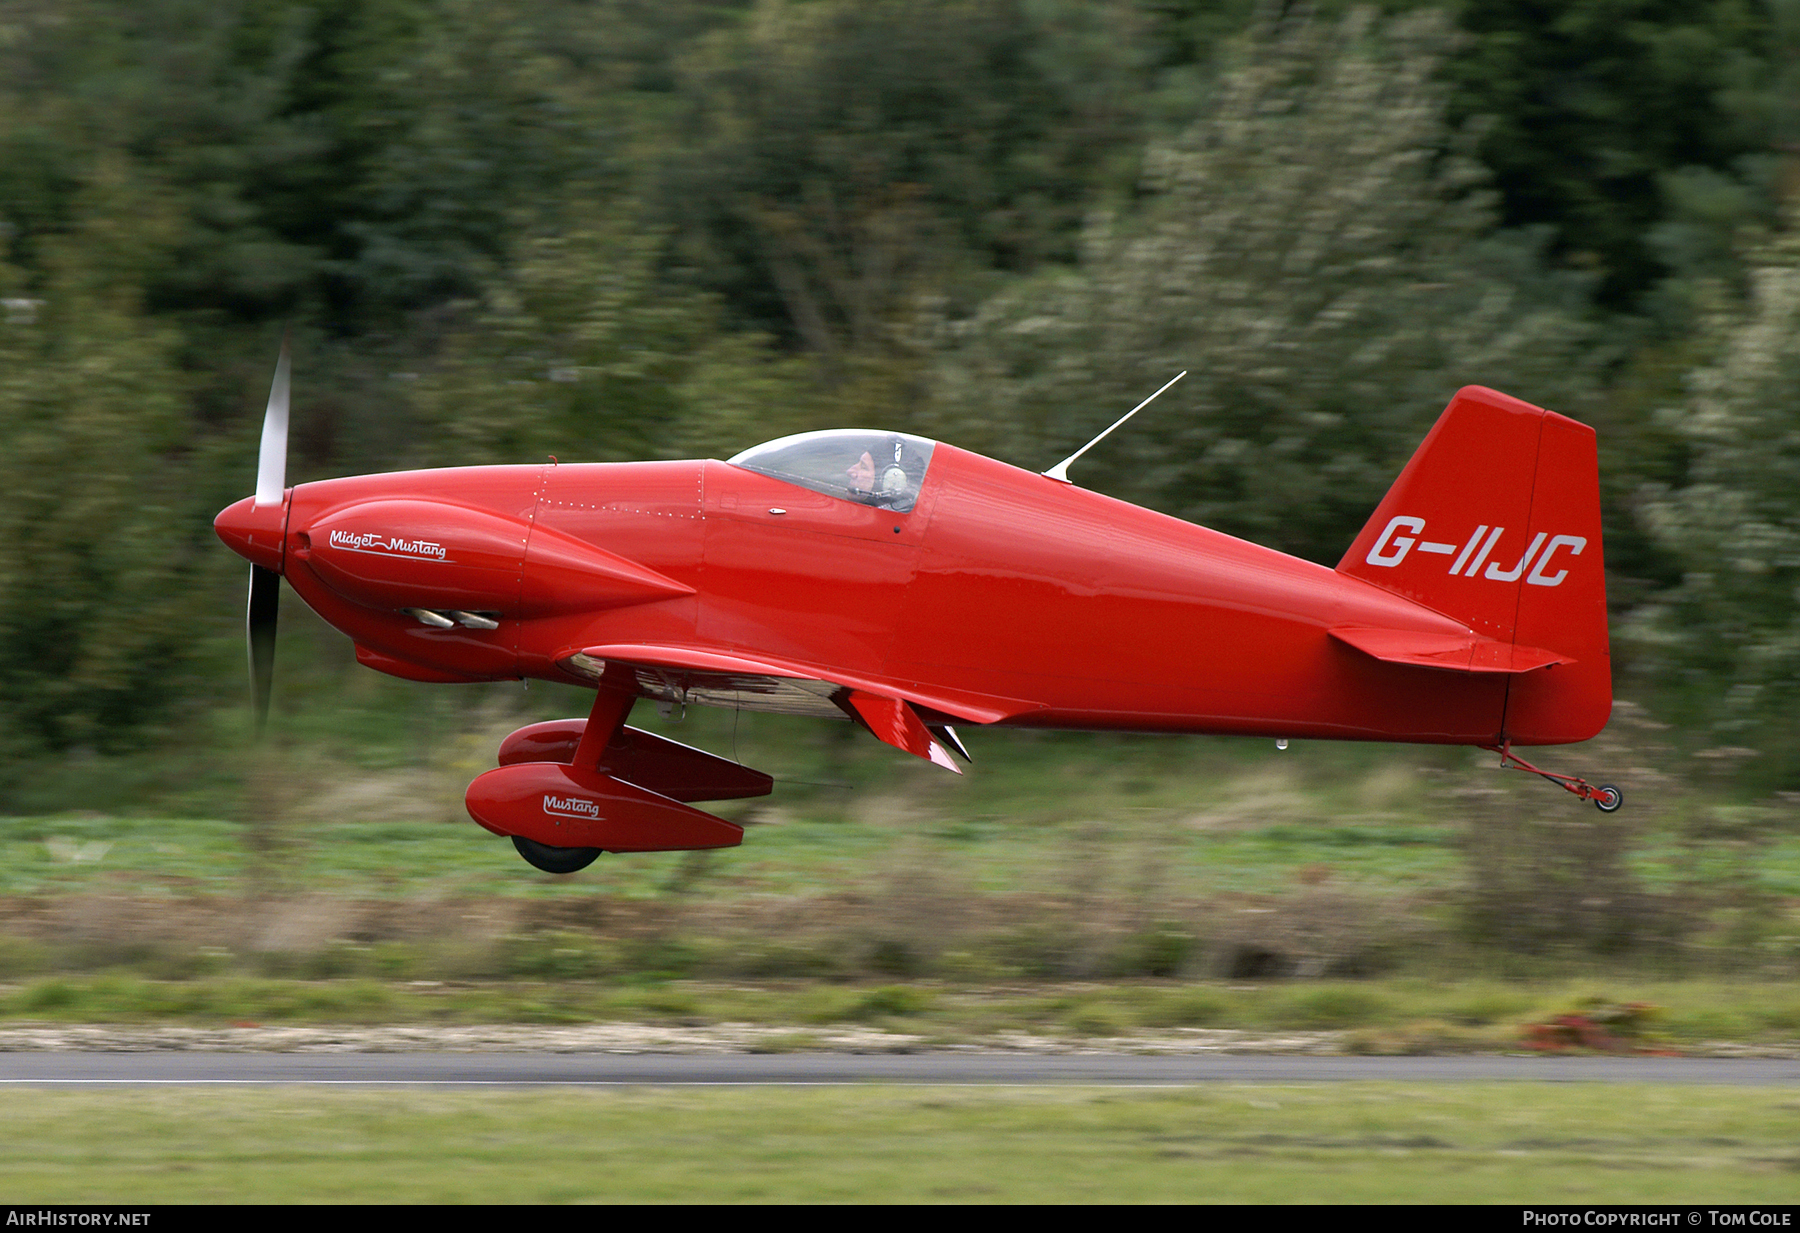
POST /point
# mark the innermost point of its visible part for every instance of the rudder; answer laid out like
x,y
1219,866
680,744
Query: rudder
x,y
1495,522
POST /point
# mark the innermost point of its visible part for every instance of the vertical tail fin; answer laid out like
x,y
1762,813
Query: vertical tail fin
x,y
1496,522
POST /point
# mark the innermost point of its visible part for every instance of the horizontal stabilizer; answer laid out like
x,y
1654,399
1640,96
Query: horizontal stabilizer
x,y
1451,652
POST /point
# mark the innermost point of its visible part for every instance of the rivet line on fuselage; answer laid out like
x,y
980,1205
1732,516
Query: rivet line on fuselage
x,y
654,513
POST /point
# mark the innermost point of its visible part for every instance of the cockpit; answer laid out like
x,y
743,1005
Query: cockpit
x,y
883,469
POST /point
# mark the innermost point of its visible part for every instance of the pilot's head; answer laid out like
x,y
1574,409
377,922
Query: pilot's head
x,y
862,474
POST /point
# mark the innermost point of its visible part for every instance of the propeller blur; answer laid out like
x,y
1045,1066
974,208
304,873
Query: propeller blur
x,y
265,580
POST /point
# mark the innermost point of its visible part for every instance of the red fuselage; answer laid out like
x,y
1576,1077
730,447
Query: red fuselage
x,y
1039,603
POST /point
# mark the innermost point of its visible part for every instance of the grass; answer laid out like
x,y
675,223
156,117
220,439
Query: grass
x,y
799,847
1186,882
174,856
1070,886
1525,1143
1396,1015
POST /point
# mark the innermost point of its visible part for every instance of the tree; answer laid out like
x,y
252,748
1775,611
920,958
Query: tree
x,y
579,350
349,159
100,538
1319,255
1589,107
845,156
1730,632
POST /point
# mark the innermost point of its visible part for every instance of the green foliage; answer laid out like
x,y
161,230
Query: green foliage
x,y
1335,1006
98,536
844,158
1588,107
888,1001
579,350
1164,951
1315,252
1191,1008
351,158
1731,630
513,228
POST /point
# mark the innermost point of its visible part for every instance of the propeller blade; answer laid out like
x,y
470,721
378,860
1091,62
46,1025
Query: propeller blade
x,y
265,584
271,468
259,627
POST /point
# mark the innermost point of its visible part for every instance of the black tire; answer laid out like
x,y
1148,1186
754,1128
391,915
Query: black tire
x,y
1608,799
554,860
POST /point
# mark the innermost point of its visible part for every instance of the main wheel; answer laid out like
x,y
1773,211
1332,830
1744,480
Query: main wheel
x,y
557,860
1608,799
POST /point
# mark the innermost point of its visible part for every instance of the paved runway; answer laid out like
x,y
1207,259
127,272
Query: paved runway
x,y
595,1069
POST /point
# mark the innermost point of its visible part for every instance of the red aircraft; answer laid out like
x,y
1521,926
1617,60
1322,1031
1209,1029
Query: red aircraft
x,y
912,586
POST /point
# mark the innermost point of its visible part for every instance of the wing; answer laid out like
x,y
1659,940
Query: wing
x,y
899,712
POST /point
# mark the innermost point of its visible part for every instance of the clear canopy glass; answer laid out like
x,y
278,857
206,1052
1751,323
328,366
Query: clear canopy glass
x,y
883,469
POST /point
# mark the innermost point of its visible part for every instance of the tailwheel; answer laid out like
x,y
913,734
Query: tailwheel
x,y
1606,797
559,860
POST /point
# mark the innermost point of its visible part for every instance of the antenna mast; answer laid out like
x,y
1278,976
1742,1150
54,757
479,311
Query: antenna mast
x,y
1060,472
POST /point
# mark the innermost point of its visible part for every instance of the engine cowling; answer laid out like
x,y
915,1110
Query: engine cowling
x,y
439,555
417,554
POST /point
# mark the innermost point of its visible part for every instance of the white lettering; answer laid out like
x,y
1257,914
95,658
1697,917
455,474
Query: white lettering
x,y
1492,539
1381,554
1391,548
1574,543
388,545
1604,1220
1512,575
571,807
1456,566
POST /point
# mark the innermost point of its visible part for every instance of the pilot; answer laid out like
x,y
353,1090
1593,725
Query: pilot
x,y
862,475
890,489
